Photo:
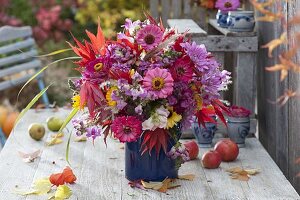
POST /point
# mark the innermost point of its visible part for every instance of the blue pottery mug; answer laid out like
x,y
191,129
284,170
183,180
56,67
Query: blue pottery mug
x,y
241,21
204,135
222,18
238,129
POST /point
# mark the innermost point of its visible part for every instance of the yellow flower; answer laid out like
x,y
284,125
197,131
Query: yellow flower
x,y
108,96
76,102
198,101
173,118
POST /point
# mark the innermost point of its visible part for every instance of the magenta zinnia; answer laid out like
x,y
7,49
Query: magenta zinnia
x,y
127,128
227,5
159,83
182,70
149,36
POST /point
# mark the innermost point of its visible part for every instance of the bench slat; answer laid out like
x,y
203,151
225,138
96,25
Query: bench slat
x,y
14,82
183,25
10,33
22,67
16,46
17,58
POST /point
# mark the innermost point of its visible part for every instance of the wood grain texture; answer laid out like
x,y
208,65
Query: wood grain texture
x,y
176,8
100,170
10,33
183,25
154,8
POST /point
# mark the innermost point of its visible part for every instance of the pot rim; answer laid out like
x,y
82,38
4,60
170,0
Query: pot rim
x,y
238,119
241,12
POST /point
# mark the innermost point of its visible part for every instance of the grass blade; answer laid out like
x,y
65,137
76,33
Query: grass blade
x,y
43,69
50,54
68,149
30,104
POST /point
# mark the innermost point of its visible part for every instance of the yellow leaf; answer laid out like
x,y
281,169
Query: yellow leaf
x,y
58,135
234,170
152,185
62,192
241,174
40,186
252,171
165,185
81,138
54,141
188,177
275,43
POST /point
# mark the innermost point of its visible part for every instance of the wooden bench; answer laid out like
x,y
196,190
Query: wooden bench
x,y
100,170
236,52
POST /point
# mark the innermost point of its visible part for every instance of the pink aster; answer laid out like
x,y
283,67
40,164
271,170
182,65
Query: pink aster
x,y
227,5
127,128
149,36
158,83
182,69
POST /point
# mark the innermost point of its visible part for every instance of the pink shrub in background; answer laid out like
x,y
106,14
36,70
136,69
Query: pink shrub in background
x,y
235,111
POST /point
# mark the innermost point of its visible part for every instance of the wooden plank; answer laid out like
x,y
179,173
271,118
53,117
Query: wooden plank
x,y
21,57
17,46
10,33
18,68
245,81
182,25
17,81
226,32
165,13
154,8
216,43
186,9
176,8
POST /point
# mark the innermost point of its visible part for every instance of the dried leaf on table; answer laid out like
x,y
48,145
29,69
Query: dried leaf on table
x,y
188,177
54,141
29,157
57,135
67,176
241,174
62,192
81,138
40,186
165,185
152,185
160,186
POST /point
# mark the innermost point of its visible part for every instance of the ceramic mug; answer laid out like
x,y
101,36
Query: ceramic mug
x,y
241,21
222,18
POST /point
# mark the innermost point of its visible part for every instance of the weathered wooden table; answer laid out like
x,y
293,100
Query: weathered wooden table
x,y
100,170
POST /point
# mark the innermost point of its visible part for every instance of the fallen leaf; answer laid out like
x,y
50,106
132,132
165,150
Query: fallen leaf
x,y
40,186
62,192
29,157
81,138
136,184
165,185
54,141
57,135
241,174
188,177
67,176
152,185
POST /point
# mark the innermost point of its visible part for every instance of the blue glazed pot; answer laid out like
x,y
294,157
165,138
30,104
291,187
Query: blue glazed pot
x,y
238,129
148,167
241,21
222,18
203,135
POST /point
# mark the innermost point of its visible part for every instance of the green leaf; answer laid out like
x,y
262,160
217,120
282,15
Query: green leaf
x,y
39,72
68,149
31,103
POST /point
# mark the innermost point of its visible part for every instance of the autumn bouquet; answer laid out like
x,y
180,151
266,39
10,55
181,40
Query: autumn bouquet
x,y
145,87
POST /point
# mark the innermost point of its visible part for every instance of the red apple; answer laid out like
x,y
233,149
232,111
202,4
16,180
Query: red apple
x,y
211,160
193,149
228,150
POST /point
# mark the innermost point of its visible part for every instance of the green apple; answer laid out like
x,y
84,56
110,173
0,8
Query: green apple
x,y
36,131
54,123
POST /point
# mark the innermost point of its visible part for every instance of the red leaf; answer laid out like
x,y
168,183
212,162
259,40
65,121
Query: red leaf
x,y
67,176
155,139
57,179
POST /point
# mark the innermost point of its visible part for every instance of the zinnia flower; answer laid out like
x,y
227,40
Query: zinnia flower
x,y
158,120
127,128
149,36
159,83
173,118
182,70
227,5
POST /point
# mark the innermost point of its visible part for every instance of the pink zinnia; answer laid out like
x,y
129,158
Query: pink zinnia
x,y
127,128
158,83
227,5
149,36
182,70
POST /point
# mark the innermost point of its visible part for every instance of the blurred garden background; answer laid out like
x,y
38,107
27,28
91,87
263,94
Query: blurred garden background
x,y
52,22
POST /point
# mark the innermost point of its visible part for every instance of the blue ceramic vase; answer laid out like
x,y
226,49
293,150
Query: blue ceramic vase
x,y
204,135
149,167
238,129
222,18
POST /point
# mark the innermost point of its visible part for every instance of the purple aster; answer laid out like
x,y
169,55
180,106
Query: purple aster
x,y
93,132
149,36
121,56
79,126
227,5
132,26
